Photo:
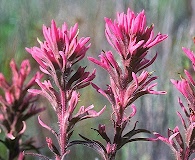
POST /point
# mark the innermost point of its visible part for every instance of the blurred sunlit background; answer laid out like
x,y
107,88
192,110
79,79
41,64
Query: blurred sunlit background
x,y
21,23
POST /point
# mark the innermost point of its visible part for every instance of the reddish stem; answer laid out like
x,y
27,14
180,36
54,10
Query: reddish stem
x,y
63,119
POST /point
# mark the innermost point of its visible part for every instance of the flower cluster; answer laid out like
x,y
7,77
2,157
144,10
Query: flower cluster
x,y
56,57
129,80
16,106
131,39
184,146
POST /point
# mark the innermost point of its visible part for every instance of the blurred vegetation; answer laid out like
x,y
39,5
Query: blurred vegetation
x,y
21,23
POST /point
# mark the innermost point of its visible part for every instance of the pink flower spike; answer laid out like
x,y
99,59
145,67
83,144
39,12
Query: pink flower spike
x,y
60,50
128,36
17,105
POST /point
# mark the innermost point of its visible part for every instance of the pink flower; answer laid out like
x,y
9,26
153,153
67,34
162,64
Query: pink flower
x,y
127,34
128,81
131,38
187,90
16,98
60,50
56,57
16,106
184,147
187,86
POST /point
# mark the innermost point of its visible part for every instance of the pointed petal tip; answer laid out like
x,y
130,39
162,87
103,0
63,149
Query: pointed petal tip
x,y
173,81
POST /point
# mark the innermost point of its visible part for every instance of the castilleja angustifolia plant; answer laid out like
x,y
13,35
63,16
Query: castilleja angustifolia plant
x,y
16,106
183,146
57,57
129,78
131,39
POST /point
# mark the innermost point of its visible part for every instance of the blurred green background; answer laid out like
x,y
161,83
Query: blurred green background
x,y
21,23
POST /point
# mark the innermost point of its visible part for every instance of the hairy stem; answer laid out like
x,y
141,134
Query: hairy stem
x,y
63,123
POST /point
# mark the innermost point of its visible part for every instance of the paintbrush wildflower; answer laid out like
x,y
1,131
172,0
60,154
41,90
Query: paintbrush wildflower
x,y
57,56
183,146
131,39
17,106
